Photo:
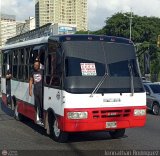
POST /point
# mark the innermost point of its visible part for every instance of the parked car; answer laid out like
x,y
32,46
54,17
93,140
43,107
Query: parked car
x,y
157,83
153,97
144,80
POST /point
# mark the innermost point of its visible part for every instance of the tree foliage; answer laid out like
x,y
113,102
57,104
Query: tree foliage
x,y
145,31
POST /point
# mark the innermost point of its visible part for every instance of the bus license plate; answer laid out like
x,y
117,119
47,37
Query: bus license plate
x,y
111,124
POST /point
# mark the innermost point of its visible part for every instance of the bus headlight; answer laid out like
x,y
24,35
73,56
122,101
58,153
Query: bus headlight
x,y
77,115
139,112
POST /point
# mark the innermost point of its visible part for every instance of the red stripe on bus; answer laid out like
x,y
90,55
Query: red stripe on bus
x,y
4,98
26,109
97,118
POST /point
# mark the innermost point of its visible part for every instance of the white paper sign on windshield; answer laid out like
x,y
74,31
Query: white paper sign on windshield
x,y
88,69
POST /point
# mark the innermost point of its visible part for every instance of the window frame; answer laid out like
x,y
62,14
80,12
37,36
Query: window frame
x,y
4,64
15,64
49,74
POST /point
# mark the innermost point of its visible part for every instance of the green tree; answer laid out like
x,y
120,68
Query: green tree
x,y
143,28
145,31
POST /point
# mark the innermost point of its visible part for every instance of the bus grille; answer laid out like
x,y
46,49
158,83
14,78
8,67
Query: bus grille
x,y
111,113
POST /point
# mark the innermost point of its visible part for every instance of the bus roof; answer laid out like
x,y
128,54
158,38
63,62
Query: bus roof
x,y
26,43
63,38
85,37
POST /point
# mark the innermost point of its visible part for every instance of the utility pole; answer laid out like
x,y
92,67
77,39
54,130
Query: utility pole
x,y
130,23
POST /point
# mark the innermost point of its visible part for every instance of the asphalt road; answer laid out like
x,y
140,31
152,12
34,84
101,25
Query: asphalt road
x,y
18,136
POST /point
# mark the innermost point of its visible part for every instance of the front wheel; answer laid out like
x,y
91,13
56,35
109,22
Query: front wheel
x,y
156,109
118,133
55,132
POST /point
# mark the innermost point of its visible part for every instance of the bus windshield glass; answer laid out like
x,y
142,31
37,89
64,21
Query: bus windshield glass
x,y
75,67
88,61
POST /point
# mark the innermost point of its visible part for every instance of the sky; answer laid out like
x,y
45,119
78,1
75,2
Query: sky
x,y
98,10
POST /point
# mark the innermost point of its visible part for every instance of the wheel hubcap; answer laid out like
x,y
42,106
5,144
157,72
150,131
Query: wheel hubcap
x,y
56,129
155,109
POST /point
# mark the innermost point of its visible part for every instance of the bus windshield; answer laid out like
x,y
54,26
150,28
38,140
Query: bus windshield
x,y
90,60
75,67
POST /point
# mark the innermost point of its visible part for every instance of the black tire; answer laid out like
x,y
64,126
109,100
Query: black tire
x,y
118,133
156,109
55,133
17,115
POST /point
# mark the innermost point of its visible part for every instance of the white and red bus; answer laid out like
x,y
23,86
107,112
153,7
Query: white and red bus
x,y
91,83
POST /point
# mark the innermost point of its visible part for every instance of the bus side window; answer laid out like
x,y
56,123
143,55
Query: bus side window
x,y
41,56
15,64
4,64
26,63
33,55
21,64
52,78
48,70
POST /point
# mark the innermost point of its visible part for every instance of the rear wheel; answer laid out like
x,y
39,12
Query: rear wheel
x,y
118,133
156,109
55,132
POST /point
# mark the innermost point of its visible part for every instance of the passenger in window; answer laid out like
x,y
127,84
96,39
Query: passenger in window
x,y
36,78
41,65
8,75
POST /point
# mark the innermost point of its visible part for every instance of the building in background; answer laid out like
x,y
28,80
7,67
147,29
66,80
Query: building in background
x,y
22,27
48,29
59,28
61,11
7,27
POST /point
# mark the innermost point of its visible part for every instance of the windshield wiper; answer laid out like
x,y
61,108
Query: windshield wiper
x,y
99,85
131,76
104,76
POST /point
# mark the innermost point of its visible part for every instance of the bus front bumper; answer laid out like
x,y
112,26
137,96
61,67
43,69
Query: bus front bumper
x,y
99,118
